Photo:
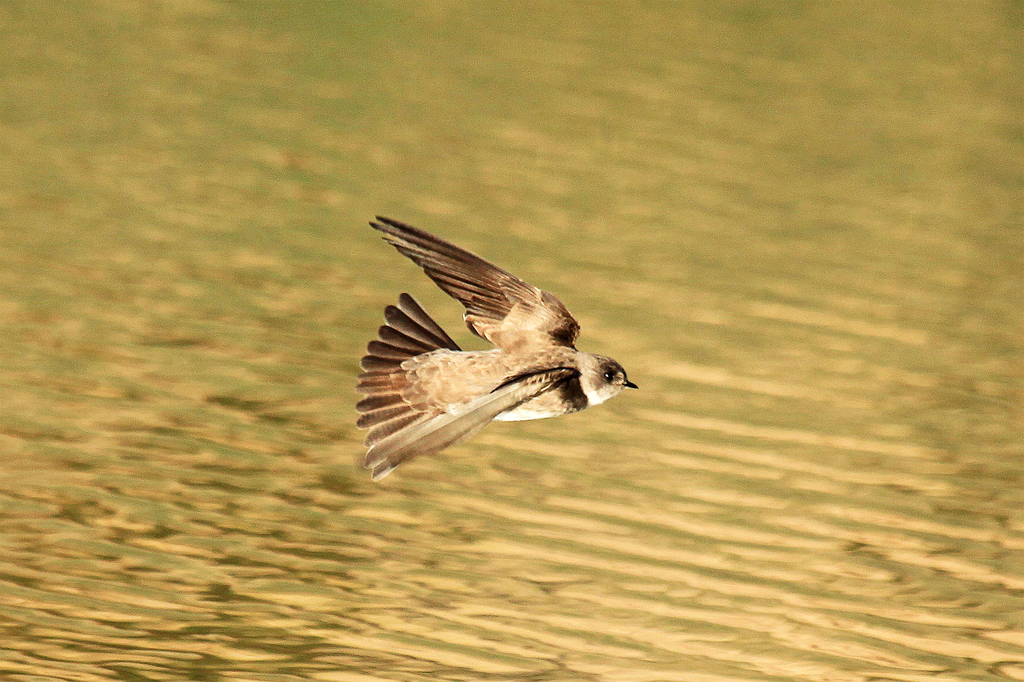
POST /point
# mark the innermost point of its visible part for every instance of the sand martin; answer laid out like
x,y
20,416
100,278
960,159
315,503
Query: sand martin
x,y
424,393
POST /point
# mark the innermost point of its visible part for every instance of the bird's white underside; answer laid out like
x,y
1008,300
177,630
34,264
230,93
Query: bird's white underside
x,y
523,412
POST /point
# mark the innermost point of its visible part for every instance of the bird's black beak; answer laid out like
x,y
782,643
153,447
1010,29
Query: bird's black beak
x,y
630,384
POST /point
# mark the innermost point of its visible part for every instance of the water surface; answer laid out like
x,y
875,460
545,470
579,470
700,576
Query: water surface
x,y
797,226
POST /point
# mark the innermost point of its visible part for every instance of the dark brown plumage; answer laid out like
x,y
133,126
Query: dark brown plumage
x,y
423,393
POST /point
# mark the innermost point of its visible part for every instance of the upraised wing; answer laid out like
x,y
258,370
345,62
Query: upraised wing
x,y
500,307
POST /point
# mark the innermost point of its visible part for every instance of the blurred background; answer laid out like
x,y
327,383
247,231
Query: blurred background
x,y
797,225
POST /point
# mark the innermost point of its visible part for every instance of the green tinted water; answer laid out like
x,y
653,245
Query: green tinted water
x,y
797,226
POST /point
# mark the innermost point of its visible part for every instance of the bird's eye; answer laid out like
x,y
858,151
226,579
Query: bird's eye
x,y
609,376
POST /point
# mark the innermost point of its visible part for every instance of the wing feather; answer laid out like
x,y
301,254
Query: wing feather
x,y
500,307
439,432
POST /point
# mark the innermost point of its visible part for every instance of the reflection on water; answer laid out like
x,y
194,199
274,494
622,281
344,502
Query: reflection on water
x,y
797,226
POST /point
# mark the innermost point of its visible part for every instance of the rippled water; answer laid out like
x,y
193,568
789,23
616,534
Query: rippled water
x,y
797,225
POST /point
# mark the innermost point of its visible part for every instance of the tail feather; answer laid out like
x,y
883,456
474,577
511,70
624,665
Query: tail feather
x,y
381,415
377,401
373,383
410,320
387,351
419,316
409,332
372,362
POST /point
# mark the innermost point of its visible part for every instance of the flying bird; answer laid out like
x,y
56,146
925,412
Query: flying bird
x,y
423,393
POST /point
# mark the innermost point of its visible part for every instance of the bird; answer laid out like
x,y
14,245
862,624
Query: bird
x,y
423,393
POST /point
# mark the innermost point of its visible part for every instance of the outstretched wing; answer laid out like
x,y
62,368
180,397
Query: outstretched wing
x,y
448,428
500,307
409,332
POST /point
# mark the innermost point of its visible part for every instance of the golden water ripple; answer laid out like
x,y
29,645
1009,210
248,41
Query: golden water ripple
x,y
796,225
